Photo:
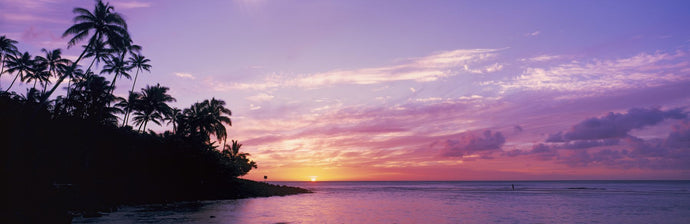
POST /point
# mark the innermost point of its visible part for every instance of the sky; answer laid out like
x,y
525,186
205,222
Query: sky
x,y
417,90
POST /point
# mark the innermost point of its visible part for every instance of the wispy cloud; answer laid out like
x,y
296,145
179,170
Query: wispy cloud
x,y
425,69
533,34
131,4
22,17
542,58
261,97
185,75
600,76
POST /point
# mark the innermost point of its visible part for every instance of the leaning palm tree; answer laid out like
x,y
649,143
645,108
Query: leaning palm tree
x,y
56,64
21,64
117,66
106,25
139,62
7,47
152,106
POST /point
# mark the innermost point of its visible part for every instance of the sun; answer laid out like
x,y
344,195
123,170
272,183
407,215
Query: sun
x,y
312,178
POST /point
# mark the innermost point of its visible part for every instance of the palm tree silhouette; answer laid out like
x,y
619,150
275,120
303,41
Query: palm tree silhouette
x,y
118,66
7,47
55,63
128,105
218,111
90,99
21,64
207,118
152,106
139,62
127,47
240,163
39,72
173,118
99,51
233,150
107,25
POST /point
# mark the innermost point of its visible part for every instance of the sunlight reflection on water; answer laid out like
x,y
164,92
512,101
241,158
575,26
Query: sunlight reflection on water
x,y
434,202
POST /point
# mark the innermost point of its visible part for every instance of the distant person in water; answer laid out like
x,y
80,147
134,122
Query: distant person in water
x,y
513,185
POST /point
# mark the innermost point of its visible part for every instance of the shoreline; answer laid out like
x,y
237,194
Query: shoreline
x,y
236,188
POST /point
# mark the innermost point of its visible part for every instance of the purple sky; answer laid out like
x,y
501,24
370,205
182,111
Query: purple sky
x,y
418,90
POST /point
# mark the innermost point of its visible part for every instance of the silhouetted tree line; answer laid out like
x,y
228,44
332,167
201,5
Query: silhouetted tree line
x,y
73,152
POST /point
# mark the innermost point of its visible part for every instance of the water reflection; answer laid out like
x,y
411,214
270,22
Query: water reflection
x,y
441,202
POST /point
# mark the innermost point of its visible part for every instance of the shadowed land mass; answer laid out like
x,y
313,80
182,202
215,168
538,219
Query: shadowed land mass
x,y
74,155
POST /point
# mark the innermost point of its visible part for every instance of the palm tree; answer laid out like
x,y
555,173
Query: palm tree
x,y
99,51
238,162
207,118
78,73
152,106
173,118
90,99
234,149
39,72
218,111
118,66
107,25
56,64
7,47
139,62
22,64
128,105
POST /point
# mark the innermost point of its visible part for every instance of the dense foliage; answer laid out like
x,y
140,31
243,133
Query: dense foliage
x,y
89,149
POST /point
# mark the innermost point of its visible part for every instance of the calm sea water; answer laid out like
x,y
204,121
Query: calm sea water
x,y
436,202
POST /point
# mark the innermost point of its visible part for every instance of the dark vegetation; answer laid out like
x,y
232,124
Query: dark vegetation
x,y
89,150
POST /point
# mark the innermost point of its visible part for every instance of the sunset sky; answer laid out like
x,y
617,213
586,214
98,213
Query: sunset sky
x,y
417,90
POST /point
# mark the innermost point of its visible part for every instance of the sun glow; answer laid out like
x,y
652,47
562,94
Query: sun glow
x,y
312,178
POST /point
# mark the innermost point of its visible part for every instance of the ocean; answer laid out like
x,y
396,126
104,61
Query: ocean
x,y
435,202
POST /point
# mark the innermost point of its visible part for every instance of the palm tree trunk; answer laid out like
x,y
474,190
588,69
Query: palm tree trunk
x,y
142,124
129,106
69,71
130,92
145,122
135,79
124,120
45,86
112,85
2,70
69,85
15,79
35,80
89,69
